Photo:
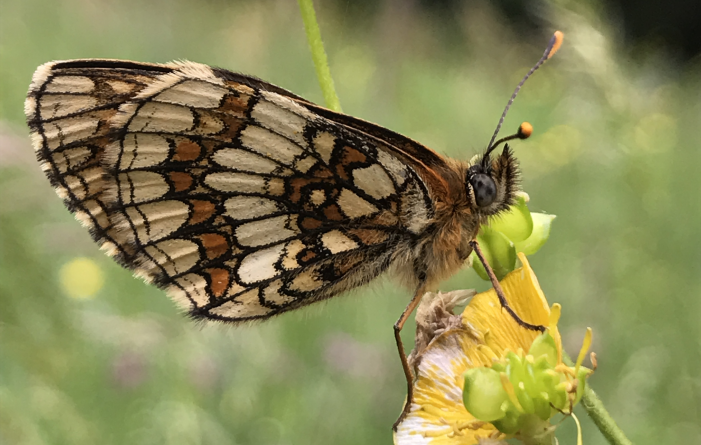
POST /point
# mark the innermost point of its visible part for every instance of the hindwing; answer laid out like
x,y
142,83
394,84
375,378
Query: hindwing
x,y
239,198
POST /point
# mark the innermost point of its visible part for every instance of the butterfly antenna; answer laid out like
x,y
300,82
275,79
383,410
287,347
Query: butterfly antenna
x,y
553,46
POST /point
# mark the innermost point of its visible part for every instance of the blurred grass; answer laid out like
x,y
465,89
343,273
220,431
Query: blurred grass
x,y
614,155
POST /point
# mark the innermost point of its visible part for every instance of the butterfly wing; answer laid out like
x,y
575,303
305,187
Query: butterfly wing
x,y
239,198
440,177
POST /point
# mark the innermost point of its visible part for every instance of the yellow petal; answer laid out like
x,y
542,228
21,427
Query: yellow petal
x,y
524,295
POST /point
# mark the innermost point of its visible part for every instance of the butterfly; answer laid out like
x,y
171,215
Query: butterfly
x,y
243,200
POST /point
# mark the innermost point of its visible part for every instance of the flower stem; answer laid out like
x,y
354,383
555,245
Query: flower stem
x,y
602,419
321,63
598,413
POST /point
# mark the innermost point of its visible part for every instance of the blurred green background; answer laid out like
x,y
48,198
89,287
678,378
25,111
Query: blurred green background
x,y
615,155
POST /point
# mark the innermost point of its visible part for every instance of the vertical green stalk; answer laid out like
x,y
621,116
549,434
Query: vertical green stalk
x,y
599,415
602,419
321,63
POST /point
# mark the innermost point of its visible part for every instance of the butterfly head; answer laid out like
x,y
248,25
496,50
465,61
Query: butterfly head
x,y
491,183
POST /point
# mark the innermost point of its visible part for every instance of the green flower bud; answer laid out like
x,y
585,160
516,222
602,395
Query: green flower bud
x,y
542,407
484,395
499,252
517,373
517,223
544,345
509,424
558,396
517,230
536,389
539,235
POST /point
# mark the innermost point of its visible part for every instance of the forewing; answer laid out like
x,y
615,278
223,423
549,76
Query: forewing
x,y
441,178
223,189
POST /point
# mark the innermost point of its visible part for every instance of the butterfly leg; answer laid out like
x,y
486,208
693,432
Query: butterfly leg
x,y
500,291
402,354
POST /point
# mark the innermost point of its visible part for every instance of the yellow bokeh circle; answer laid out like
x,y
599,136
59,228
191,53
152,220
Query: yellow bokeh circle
x,y
81,278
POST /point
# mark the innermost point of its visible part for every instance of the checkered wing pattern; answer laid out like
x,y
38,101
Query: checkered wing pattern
x,y
239,198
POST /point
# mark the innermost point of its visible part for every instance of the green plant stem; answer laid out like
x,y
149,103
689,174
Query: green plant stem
x,y
321,63
598,413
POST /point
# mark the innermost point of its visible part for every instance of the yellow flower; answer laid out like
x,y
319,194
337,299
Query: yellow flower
x,y
486,344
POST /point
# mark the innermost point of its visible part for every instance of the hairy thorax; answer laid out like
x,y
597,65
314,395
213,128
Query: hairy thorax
x,y
444,249
449,247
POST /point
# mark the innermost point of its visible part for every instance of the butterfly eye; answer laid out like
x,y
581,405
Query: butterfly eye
x,y
484,189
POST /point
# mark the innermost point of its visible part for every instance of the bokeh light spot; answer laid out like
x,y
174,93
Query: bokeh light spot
x,y
656,133
81,278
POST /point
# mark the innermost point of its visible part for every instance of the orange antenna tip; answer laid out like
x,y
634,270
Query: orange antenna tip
x,y
556,43
525,130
